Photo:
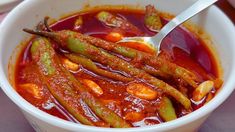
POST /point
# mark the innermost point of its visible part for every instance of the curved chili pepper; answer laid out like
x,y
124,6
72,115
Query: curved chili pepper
x,y
69,40
90,65
64,87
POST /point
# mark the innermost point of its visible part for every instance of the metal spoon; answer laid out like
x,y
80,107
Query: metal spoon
x,y
156,40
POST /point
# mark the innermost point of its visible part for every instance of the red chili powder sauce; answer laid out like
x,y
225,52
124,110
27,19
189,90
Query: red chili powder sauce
x,y
184,48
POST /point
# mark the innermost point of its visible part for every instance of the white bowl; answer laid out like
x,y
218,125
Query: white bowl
x,y
30,12
6,5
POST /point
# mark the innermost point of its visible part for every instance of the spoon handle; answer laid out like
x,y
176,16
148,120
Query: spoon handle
x,y
182,17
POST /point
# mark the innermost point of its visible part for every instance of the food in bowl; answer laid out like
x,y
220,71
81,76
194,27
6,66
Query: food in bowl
x,y
75,69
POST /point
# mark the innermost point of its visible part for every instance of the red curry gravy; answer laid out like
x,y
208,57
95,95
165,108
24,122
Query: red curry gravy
x,y
184,48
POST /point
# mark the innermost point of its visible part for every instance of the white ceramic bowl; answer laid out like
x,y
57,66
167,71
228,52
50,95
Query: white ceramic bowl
x,y
30,12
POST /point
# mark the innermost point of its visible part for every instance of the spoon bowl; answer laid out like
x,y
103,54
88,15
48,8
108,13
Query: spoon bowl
x,y
156,40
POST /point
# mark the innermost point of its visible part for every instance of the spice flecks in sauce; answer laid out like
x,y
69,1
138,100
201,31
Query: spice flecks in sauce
x,y
184,48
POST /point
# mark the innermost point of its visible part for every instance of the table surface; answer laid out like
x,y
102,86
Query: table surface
x,y
222,119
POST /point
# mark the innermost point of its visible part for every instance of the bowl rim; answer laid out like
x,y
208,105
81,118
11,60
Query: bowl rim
x,y
225,91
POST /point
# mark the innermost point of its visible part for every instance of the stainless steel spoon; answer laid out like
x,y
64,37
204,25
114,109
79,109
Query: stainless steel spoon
x,y
156,40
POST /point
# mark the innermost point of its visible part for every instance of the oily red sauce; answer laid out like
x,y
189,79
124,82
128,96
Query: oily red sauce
x,y
184,48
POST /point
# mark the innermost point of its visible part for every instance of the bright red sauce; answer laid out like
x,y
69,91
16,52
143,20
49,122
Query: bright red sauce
x,y
185,49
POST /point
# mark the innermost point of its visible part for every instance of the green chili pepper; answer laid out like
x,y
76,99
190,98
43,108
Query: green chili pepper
x,y
152,19
64,87
166,110
70,40
90,65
